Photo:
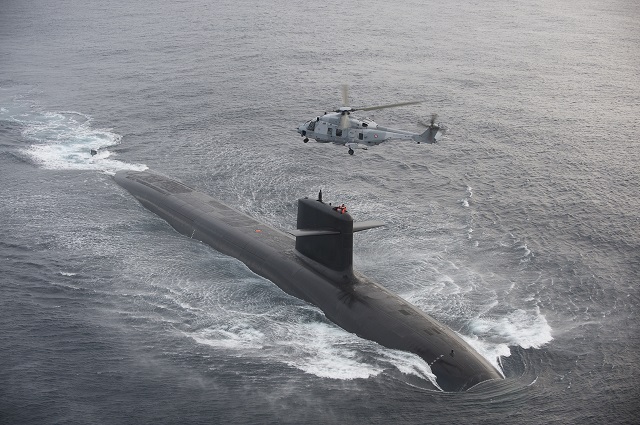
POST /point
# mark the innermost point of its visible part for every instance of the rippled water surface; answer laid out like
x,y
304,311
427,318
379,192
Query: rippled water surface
x,y
519,230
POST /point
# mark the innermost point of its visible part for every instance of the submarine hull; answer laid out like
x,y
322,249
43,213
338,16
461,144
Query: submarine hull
x,y
350,300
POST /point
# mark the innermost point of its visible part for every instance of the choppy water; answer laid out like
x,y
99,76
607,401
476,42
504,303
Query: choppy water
x,y
519,230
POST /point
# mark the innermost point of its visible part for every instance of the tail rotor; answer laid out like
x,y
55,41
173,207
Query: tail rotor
x,y
432,132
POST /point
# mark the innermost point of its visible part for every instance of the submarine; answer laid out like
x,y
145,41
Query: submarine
x,y
314,263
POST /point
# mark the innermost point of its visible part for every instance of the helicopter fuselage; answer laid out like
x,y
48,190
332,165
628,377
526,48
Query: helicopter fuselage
x,y
326,129
357,134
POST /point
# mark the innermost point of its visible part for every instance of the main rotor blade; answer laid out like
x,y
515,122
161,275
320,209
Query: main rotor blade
x,y
391,105
344,121
345,95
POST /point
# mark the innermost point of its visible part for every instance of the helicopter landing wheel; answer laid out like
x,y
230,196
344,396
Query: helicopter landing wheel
x,y
350,151
306,139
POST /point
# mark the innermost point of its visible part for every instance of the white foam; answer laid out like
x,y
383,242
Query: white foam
x,y
465,201
328,361
409,364
336,354
490,351
526,253
234,338
317,348
526,329
64,140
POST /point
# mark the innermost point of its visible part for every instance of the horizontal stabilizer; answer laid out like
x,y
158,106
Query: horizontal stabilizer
x,y
364,225
312,232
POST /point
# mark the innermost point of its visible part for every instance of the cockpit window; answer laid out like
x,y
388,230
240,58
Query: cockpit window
x,y
311,126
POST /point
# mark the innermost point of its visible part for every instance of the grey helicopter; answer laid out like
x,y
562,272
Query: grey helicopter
x,y
341,128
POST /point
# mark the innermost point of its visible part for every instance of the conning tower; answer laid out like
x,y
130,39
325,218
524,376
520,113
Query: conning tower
x,y
324,238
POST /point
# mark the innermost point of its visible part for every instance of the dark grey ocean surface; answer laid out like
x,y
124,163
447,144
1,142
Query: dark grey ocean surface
x,y
520,230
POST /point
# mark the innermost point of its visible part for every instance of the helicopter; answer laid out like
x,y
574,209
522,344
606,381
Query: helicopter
x,y
341,128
